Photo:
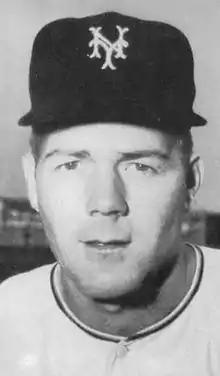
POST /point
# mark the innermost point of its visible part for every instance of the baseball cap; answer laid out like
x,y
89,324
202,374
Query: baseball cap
x,y
111,68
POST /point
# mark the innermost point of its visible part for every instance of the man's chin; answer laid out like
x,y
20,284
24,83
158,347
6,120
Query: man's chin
x,y
109,294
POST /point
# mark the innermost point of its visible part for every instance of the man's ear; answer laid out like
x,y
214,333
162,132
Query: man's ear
x,y
194,176
29,167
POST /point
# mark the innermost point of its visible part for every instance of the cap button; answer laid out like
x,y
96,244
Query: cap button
x,y
122,349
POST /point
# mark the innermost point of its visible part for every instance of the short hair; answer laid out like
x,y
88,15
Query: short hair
x,y
184,140
36,142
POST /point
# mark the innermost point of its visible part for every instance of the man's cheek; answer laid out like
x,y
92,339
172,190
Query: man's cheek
x,y
61,218
151,216
61,200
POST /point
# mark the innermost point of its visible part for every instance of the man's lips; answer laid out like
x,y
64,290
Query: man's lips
x,y
110,244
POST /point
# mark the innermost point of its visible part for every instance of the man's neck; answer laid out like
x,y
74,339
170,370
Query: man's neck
x,y
133,313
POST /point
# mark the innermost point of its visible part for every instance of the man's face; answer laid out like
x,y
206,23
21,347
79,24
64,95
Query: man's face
x,y
111,198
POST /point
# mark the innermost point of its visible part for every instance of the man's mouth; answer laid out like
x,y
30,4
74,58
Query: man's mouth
x,y
107,245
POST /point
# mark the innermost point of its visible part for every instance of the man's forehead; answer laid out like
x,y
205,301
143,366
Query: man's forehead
x,y
109,138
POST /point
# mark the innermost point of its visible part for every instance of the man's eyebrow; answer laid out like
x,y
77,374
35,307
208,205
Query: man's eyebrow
x,y
137,154
77,154
122,156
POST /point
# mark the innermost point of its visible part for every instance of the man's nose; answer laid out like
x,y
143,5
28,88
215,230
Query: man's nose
x,y
106,195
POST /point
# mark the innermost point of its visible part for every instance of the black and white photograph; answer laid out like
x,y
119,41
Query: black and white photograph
x,y
109,188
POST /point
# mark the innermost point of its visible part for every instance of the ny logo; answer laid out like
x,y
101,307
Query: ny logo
x,y
111,49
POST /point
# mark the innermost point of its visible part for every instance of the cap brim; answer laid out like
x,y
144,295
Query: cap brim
x,y
29,119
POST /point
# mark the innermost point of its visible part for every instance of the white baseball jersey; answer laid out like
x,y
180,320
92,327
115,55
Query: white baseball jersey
x,y
39,336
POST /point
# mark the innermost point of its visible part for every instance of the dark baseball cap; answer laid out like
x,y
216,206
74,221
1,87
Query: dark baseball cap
x,y
111,68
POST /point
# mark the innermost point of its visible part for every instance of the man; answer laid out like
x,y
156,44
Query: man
x,y
112,172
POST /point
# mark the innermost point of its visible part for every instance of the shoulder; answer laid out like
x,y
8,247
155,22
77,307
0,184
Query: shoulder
x,y
22,282
207,299
25,291
211,258
210,281
26,304
210,278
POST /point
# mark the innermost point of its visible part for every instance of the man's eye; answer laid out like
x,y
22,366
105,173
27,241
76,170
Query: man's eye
x,y
68,166
143,167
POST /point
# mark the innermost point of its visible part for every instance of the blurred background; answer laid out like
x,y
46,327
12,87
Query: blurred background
x,y
22,241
